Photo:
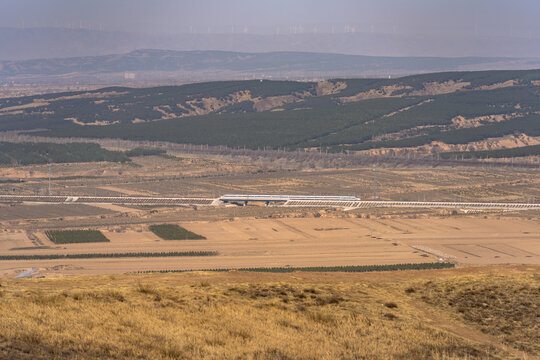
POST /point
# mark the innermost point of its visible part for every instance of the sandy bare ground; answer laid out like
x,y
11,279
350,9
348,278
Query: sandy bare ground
x,y
297,242
116,208
124,191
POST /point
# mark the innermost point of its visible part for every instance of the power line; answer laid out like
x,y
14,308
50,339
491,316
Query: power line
x,y
49,179
375,182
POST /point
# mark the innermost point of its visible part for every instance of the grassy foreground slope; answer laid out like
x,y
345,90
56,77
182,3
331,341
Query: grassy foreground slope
x,y
481,313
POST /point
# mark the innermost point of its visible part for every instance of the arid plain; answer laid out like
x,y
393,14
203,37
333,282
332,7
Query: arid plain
x,y
260,236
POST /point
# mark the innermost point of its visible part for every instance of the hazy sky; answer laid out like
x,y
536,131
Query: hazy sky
x,y
405,17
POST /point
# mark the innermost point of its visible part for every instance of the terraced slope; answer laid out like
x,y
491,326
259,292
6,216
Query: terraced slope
x,y
442,112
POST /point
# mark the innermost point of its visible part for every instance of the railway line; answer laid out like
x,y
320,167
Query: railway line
x,y
413,204
270,200
111,200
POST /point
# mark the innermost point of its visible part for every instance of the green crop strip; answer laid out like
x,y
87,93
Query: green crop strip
x,y
110,255
352,268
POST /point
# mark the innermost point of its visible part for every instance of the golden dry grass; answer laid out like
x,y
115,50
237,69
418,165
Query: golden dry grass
x,y
265,316
506,307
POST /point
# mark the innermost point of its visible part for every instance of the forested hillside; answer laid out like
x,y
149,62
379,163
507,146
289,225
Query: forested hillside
x,y
43,153
435,112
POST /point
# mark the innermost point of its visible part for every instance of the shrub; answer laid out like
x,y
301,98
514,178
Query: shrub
x,y
146,289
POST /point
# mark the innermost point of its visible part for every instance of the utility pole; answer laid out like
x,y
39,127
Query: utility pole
x,y
375,182
49,179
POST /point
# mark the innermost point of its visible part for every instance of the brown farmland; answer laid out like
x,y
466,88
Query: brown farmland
x,y
295,242
259,236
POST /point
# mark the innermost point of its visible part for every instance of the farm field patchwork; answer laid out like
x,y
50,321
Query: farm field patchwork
x,y
192,175
260,236
296,242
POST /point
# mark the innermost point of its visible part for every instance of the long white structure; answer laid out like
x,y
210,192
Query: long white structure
x,y
115,200
413,204
284,198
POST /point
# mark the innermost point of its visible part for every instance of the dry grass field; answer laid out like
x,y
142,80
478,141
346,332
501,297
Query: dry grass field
x,y
472,313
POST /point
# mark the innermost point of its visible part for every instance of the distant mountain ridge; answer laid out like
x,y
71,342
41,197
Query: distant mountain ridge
x,y
168,60
34,43
160,65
